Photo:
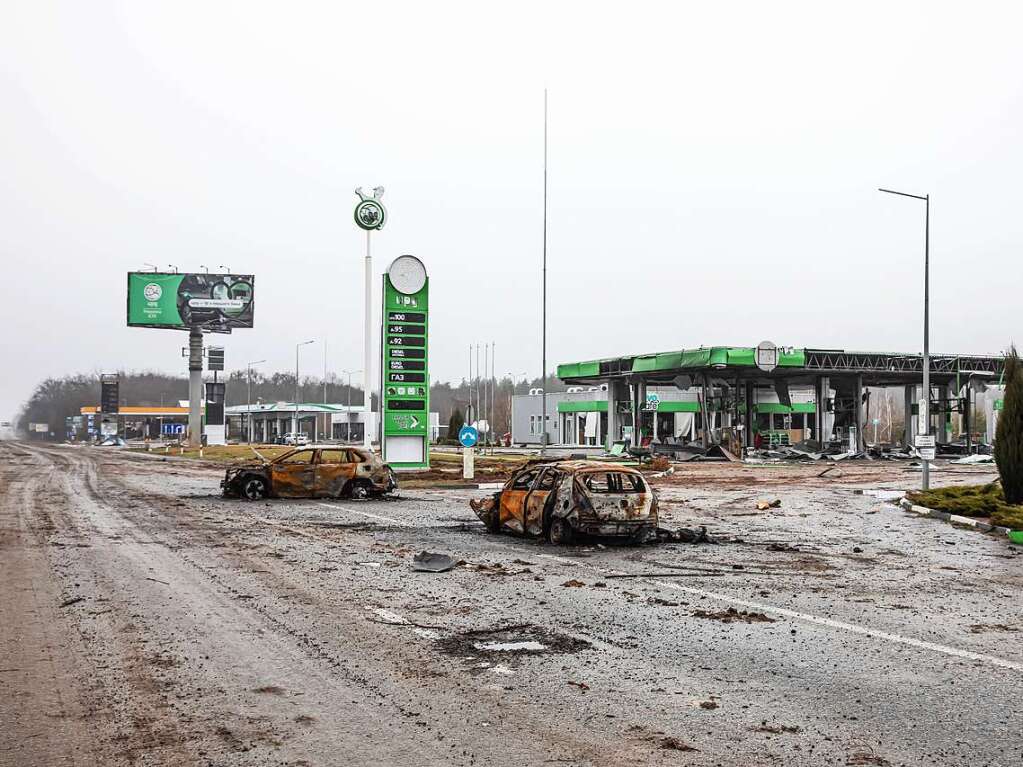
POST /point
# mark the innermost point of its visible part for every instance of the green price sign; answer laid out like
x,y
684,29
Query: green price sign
x,y
405,381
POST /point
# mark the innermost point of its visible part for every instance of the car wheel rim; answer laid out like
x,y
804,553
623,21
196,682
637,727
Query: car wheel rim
x,y
253,489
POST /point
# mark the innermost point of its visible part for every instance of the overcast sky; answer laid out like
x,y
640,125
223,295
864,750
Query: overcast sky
x,y
713,174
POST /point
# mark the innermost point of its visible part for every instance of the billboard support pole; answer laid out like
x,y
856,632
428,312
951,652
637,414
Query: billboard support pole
x,y
195,387
367,366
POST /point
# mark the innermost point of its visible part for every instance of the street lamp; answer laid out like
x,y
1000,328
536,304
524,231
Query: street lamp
x,y
294,418
925,415
348,414
248,397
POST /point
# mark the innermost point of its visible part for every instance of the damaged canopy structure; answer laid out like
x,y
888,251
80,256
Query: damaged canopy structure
x,y
729,386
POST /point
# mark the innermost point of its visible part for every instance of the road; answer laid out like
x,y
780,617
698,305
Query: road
x,y
144,620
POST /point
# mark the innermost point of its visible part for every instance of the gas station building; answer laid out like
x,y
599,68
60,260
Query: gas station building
x,y
749,398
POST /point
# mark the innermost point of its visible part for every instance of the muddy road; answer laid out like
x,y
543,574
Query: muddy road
x,y
144,620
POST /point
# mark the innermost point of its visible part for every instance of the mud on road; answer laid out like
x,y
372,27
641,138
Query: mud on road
x,y
144,620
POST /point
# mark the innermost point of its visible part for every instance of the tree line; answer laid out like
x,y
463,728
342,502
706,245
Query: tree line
x,y
55,399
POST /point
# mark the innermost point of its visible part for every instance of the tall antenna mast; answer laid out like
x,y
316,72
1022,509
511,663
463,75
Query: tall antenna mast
x,y
543,369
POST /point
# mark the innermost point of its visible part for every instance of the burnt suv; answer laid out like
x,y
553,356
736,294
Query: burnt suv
x,y
559,500
313,471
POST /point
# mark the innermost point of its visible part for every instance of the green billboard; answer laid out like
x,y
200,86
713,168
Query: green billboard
x,y
405,370
216,303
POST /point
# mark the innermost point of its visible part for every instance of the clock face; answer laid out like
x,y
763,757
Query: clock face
x,y
407,274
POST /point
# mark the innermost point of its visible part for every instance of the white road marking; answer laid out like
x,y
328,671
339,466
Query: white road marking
x,y
807,617
365,514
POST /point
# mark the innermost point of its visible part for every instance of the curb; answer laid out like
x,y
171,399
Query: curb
x,y
956,519
468,486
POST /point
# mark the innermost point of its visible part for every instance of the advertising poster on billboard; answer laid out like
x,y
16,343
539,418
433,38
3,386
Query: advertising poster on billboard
x,y
215,303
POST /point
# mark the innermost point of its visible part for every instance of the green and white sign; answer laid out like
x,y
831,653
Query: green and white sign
x,y
370,213
405,368
215,303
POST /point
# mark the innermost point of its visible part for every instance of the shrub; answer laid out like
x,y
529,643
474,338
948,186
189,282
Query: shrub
x,y
1009,435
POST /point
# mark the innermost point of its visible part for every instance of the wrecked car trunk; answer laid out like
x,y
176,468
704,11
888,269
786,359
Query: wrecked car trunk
x,y
559,500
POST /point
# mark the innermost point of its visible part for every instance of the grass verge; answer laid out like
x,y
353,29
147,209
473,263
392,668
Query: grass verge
x,y
972,501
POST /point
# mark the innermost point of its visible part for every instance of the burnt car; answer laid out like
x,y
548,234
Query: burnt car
x,y
560,500
313,471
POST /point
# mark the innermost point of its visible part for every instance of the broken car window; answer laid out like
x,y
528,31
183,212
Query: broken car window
x,y
334,456
548,480
302,456
524,481
614,482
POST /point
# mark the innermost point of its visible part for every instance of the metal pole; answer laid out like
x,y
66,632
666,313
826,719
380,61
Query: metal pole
x,y
924,408
367,368
543,363
248,402
486,410
927,333
294,418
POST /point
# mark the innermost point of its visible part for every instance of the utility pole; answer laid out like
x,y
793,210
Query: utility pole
x,y
543,372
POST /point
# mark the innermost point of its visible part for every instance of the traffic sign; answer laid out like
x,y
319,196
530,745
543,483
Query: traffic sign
x,y
927,453
468,436
925,440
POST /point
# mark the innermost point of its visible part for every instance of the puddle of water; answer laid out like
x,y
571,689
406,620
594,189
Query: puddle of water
x,y
528,645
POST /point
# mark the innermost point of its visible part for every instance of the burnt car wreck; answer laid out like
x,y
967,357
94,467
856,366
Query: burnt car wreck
x,y
562,500
324,471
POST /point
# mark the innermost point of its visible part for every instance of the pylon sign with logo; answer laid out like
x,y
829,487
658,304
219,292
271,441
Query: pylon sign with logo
x,y
405,369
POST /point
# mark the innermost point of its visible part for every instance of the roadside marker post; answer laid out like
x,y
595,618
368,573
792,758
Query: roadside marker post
x,y
468,436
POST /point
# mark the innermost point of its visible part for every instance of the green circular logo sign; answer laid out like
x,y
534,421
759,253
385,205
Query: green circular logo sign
x,y
370,214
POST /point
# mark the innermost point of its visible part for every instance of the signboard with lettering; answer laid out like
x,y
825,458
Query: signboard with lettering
x,y
405,370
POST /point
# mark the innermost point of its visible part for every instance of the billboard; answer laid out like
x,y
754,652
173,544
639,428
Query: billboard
x,y
215,303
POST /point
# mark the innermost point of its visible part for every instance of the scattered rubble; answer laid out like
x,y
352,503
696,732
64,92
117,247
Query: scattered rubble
x,y
731,615
428,562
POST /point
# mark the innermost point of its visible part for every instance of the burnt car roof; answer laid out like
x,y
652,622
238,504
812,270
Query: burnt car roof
x,y
579,465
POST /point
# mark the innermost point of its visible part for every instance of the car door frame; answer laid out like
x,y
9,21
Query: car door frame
x,y
333,486
533,506
307,468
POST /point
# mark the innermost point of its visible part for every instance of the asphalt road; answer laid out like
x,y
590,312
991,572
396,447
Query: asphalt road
x,y
144,620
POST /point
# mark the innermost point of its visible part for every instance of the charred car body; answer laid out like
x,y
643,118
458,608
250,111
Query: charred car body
x,y
314,471
560,500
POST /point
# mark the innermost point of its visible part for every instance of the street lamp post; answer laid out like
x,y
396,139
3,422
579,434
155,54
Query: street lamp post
x,y
294,418
248,395
925,412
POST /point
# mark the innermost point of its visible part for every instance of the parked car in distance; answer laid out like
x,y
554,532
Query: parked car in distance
x,y
313,471
559,500
294,439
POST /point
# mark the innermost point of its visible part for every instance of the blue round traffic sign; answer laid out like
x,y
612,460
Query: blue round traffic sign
x,y
468,436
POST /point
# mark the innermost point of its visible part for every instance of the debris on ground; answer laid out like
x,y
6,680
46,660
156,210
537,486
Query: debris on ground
x,y
969,460
428,562
708,705
573,584
683,535
765,505
72,601
581,685
674,744
731,615
777,729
